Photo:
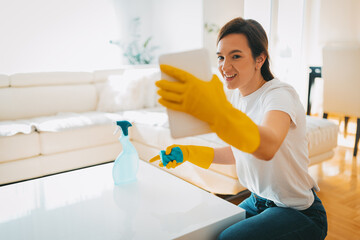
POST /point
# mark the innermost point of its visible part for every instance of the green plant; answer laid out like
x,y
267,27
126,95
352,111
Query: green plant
x,y
134,51
211,28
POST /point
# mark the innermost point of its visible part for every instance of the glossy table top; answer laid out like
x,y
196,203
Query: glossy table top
x,y
85,204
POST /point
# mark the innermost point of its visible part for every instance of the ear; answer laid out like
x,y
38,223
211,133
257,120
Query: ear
x,y
260,60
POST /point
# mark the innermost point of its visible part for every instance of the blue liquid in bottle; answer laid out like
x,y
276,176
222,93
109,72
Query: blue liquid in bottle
x,y
126,164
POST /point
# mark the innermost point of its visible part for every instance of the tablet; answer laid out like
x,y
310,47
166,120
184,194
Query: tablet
x,y
196,62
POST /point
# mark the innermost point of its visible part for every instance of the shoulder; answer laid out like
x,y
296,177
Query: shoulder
x,y
278,91
283,97
276,85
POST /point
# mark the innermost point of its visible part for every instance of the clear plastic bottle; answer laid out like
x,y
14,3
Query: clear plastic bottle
x,y
126,164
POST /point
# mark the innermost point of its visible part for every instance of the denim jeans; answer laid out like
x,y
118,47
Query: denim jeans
x,y
265,220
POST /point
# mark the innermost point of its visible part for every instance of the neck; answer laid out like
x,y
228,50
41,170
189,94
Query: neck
x,y
256,82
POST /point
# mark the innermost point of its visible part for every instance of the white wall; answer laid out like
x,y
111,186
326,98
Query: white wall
x,y
219,12
338,21
329,21
127,10
358,20
177,25
44,35
74,35
173,25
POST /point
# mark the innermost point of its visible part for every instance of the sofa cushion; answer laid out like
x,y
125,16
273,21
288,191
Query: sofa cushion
x,y
71,131
10,128
28,102
120,94
100,78
4,81
19,146
81,138
103,75
322,135
151,116
134,89
48,164
49,78
65,121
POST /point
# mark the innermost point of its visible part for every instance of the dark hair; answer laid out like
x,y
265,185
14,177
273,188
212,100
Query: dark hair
x,y
256,37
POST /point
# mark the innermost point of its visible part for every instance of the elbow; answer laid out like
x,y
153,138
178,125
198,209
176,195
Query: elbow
x,y
266,156
266,151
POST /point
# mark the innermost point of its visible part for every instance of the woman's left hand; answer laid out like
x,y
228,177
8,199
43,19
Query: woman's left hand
x,y
202,99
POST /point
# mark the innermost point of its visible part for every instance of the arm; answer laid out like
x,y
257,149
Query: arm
x,y
223,156
273,131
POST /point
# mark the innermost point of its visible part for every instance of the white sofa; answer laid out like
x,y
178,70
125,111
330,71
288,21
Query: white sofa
x,y
59,121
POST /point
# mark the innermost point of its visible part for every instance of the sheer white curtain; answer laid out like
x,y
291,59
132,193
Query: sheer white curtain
x,y
283,22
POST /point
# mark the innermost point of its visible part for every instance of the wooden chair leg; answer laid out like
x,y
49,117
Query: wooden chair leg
x,y
346,126
357,137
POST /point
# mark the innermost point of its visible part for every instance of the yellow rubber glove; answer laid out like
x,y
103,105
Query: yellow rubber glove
x,y
198,155
207,101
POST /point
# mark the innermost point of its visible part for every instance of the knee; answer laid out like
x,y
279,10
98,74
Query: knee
x,y
234,232
224,235
227,234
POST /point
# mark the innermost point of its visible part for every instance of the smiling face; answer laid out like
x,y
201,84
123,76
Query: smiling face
x,y
238,66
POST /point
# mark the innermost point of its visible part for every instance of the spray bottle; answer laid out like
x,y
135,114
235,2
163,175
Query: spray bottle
x,y
127,162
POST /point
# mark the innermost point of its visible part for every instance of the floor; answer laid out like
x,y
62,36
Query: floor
x,y
339,182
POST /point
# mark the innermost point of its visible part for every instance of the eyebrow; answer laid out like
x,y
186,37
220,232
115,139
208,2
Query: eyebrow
x,y
233,51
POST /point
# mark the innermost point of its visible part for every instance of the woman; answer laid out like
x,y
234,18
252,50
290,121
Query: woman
x,y
265,127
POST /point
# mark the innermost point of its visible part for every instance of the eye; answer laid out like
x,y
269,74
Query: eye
x,y
220,58
236,56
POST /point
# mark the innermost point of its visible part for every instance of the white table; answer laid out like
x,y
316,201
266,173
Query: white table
x,y
85,204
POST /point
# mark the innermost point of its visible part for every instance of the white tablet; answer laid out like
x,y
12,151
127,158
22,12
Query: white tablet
x,y
197,63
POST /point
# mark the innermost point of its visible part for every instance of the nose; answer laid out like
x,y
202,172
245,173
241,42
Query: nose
x,y
226,65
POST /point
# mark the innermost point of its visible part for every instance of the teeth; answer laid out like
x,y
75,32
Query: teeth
x,y
230,76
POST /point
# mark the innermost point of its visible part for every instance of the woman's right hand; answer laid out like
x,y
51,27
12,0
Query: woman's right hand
x,y
175,155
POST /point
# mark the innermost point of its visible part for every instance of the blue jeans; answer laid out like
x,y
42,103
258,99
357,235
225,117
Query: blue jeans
x,y
264,220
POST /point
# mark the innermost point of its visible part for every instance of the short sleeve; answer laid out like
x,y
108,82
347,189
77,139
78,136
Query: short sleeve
x,y
281,99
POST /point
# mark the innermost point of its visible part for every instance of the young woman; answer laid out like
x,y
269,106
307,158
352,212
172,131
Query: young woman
x,y
265,127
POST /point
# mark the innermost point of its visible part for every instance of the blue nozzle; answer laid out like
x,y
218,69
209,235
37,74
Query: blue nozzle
x,y
124,126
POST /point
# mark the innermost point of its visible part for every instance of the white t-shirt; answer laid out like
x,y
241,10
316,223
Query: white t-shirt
x,y
284,179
